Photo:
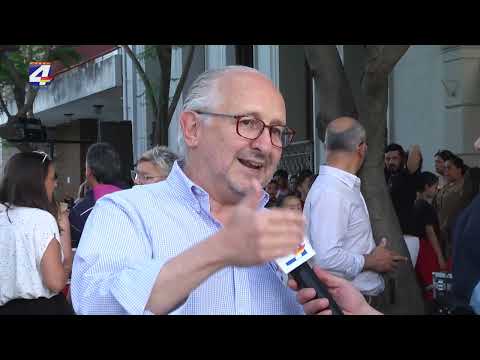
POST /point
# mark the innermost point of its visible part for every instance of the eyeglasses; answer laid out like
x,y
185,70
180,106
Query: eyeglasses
x,y
45,155
252,128
146,178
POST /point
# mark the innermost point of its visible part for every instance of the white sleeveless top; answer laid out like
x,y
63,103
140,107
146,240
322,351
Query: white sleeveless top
x,y
23,242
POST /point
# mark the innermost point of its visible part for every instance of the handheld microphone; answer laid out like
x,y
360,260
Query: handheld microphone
x,y
297,267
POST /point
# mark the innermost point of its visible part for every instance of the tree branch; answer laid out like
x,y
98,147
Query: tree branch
x,y
381,59
4,106
181,83
164,55
16,77
143,76
331,85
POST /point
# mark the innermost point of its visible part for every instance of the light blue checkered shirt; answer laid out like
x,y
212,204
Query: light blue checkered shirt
x,y
131,234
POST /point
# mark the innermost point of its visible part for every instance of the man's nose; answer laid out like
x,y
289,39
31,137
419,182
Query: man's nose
x,y
264,141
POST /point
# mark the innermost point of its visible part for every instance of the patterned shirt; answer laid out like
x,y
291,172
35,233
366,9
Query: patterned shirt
x,y
131,234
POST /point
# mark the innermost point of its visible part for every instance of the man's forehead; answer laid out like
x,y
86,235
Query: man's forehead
x,y
393,153
253,92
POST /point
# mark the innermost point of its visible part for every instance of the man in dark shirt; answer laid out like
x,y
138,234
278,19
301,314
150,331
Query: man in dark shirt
x,y
466,255
424,225
401,175
103,174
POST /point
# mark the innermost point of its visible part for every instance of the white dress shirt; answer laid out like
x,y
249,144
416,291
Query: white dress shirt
x,y
339,228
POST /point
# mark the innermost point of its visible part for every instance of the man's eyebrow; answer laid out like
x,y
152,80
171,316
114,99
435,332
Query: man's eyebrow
x,y
258,116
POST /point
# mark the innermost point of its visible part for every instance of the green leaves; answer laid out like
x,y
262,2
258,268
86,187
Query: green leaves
x,y
66,55
14,63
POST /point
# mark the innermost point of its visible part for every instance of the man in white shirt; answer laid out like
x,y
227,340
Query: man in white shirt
x,y
337,217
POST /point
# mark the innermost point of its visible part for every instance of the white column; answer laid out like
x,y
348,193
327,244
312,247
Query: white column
x,y
340,51
266,60
176,73
134,107
215,56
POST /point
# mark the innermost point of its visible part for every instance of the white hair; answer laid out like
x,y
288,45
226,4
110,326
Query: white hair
x,y
202,94
160,156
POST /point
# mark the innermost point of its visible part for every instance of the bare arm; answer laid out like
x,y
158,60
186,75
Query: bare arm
x,y
66,241
414,159
350,300
51,267
432,237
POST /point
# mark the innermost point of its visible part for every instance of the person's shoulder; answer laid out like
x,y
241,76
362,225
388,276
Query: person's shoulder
x,y
82,205
476,204
405,173
138,194
35,216
327,192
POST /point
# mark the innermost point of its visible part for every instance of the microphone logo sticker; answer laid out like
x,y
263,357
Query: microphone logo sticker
x,y
298,254
302,254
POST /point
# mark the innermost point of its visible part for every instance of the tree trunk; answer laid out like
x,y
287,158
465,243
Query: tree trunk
x,y
181,84
363,86
27,108
164,55
331,85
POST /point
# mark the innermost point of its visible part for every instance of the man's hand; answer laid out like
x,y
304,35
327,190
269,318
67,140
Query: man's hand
x,y
414,159
382,260
251,237
350,300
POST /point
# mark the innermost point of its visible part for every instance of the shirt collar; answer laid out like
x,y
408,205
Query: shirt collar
x,y
192,193
352,181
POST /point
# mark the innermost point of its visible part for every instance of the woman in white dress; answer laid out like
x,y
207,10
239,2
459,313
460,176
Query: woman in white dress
x,y
35,260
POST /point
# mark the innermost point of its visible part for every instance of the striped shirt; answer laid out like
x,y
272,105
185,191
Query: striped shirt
x,y
131,234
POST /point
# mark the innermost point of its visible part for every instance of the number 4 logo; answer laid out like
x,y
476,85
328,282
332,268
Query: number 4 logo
x,y
39,73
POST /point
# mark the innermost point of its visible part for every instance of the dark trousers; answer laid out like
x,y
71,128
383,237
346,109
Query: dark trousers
x,y
56,305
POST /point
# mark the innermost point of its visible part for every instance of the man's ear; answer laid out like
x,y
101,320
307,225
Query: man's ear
x,y
362,149
190,124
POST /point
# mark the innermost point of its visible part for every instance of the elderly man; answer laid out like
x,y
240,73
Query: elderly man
x,y
199,242
154,165
338,223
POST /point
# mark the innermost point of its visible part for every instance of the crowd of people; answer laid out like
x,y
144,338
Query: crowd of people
x,y
196,233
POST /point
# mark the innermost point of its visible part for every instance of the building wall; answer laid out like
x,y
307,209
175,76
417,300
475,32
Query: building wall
x,y
421,109
295,87
417,111
68,161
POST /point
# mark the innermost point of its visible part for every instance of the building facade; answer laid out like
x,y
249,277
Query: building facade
x,y
434,90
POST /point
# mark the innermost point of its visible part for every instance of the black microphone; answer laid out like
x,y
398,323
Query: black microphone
x,y
296,265
306,278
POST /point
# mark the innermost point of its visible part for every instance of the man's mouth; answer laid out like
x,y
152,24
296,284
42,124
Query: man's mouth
x,y
252,164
